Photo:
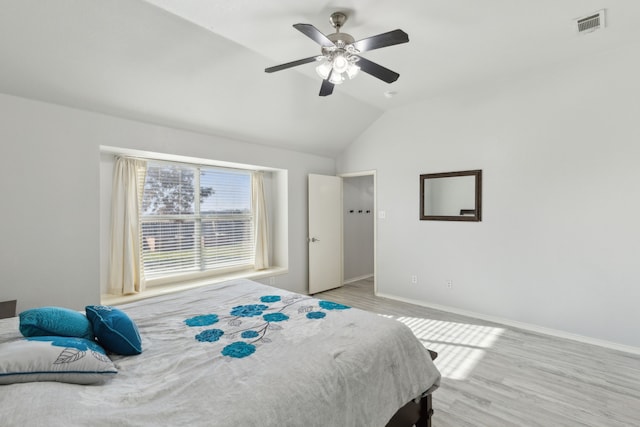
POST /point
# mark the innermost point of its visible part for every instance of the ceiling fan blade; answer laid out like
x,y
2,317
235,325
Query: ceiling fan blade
x,y
381,40
314,34
377,71
326,88
290,64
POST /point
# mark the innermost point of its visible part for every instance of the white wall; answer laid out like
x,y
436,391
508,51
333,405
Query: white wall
x,y
358,227
559,243
50,186
49,192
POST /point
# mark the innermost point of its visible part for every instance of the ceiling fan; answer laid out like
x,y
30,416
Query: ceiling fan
x,y
340,54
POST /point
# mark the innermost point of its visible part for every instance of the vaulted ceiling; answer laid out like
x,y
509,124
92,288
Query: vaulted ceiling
x,y
199,64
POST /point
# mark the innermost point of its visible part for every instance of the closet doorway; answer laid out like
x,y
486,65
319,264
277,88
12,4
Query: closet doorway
x,y
359,227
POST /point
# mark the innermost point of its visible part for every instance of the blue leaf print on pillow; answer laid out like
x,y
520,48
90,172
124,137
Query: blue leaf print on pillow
x,y
239,349
249,334
316,315
270,298
74,349
210,335
248,310
69,342
328,305
203,320
275,317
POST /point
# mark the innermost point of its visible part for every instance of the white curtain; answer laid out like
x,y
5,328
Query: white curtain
x,y
125,272
261,234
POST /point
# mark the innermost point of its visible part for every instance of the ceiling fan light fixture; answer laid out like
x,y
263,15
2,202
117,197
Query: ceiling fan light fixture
x,y
324,69
340,64
336,78
352,71
337,68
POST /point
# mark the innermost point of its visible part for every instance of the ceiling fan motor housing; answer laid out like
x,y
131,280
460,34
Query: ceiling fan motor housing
x,y
337,20
343,48
341,39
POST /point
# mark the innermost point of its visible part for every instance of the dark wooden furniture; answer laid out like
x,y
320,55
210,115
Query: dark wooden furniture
x,y
418,414
7,309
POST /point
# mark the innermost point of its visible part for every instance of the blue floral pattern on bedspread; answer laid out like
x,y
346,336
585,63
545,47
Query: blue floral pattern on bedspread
x,y
239,349
246,338
204,320
328,305
249,310
210,335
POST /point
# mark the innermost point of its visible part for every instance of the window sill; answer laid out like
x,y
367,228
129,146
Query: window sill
x,y
109,299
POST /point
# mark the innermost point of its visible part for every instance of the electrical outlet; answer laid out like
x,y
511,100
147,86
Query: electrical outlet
x,y
449,284
414,279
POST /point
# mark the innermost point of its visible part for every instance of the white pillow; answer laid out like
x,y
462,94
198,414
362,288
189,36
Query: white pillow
x,y
53,358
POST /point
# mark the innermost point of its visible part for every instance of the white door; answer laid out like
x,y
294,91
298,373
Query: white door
x,y
325,233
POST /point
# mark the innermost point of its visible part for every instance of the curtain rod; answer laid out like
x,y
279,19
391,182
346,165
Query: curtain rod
x,y
176,158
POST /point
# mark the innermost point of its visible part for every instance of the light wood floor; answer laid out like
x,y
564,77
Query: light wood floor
x,y
498,376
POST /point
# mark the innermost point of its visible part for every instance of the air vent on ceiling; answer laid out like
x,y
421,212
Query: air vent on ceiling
x,y
591,23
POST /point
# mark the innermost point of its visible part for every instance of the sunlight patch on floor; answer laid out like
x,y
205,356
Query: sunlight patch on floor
x,y
460,346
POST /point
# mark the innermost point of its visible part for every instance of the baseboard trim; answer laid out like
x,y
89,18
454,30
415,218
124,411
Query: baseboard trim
x,y
521,325
355,279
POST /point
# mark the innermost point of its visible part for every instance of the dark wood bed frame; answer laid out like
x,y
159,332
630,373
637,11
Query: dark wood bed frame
x,y
415,414
7,309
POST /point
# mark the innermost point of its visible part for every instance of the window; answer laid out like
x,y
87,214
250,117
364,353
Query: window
x,y
194,219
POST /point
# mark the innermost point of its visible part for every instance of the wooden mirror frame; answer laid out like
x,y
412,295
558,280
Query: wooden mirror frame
x,y
477,211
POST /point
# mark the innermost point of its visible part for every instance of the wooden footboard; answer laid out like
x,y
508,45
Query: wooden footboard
x,y
418,414
426,411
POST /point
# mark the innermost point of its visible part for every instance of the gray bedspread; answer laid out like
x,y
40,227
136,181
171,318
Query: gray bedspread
x,y
240,354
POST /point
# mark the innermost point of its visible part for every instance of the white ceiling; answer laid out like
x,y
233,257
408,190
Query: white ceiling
x,y
199,64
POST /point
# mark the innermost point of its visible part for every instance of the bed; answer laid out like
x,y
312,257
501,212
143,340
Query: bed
x,y
241,354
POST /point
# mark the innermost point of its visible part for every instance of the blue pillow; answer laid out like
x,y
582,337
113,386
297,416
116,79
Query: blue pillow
x,y
63,322
114,330
63,359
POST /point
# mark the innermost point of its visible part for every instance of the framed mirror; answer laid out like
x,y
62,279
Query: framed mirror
x,y
451,196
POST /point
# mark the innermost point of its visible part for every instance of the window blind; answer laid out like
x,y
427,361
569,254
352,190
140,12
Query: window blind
x,y
195,218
